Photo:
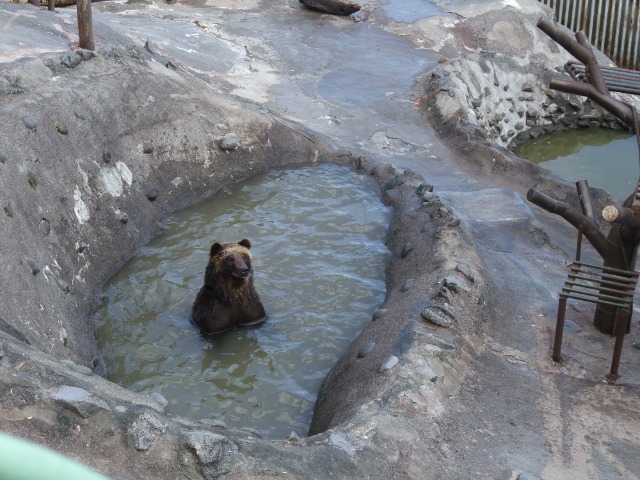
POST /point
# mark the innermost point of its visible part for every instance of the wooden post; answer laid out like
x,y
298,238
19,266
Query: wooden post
x,y
85,24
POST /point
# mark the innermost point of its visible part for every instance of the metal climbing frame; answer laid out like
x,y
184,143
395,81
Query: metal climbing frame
x,y
600,285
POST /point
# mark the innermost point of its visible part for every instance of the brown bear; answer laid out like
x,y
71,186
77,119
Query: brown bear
x,y
228,297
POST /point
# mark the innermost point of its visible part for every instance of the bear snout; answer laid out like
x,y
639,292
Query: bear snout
x,y
244,272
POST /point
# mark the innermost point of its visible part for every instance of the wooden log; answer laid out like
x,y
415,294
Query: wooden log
x,y
334,7
85,24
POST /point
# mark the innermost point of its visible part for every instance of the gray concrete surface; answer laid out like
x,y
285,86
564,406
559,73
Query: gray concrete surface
x,y
479,399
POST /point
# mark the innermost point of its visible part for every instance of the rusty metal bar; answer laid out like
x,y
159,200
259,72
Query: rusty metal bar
x,y
603,286
557,343
586,203
622,280
626,273
595,297
579,221
605,68
612,279
620,329
579,244
617,79
593,300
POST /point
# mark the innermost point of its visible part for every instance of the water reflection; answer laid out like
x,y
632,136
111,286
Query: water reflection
x,y
608,159
319,258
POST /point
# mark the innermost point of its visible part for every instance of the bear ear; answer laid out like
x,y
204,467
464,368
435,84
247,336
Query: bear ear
x,y
215,248
245,243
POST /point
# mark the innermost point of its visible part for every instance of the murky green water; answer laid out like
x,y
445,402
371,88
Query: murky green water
x,y
607,159
319,259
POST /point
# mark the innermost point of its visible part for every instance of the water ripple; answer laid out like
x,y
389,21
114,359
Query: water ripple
x,y
319,260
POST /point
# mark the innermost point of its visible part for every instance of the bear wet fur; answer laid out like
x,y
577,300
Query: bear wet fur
x,y
228,298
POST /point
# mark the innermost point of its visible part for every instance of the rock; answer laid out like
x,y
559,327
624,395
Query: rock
x,y
213,423
44,227
121,409
78,400
407,285
106,157
434,317
456,285
80,113
145,430
465,270
122,216
86,54
170,65
8,211
454,223
444,293
216,453
571,326
293,437
3,158
32,180
362,14
70,59
334,7
406,248
395,182
388,364
366,349
30,122
423,189
149,47
147,147
229,143
152,194
379,313
444,308
159,399
438,342
61,128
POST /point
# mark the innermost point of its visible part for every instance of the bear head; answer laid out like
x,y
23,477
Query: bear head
x,y
231,261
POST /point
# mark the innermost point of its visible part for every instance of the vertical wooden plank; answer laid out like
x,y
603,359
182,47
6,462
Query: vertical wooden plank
x,y
612,26
595,41
591,17
621,39
635,45
605,24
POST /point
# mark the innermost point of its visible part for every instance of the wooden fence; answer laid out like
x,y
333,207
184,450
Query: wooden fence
x,y
612,26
